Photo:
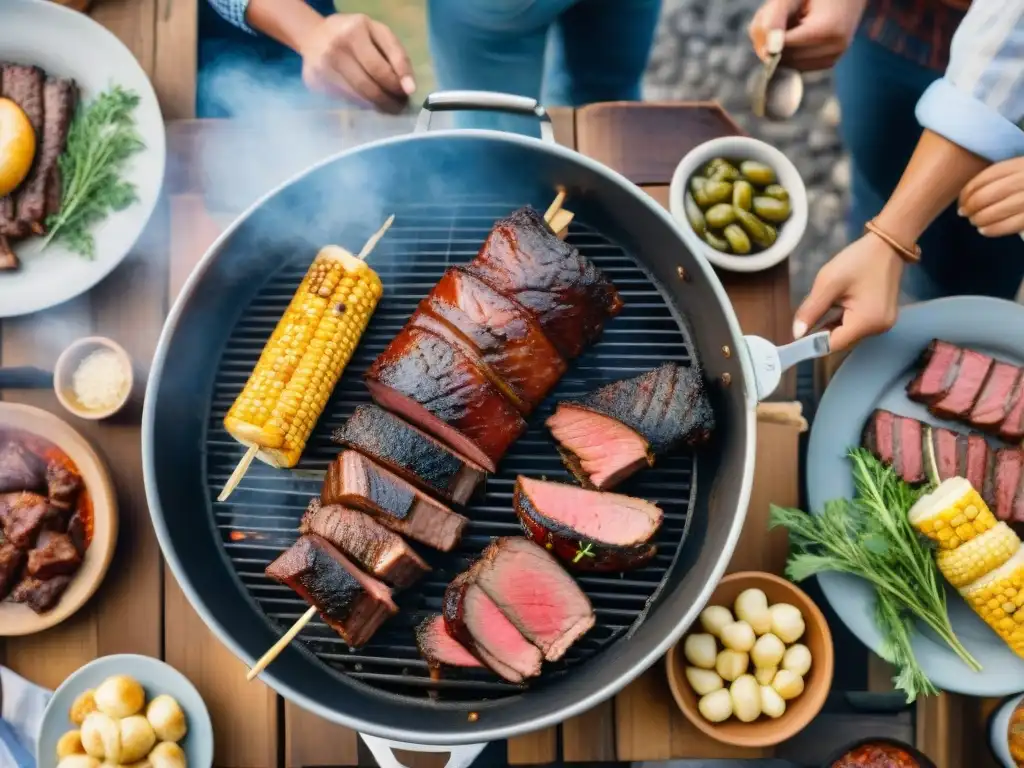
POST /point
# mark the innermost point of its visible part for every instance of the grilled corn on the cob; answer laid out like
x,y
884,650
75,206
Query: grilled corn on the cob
x,y
998,597
305,357
980,555
952,514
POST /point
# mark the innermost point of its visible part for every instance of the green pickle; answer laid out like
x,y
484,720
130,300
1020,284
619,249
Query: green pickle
x,y
716,191
771,210
761,233
757,173
695,215
716,242
742,194
710,168
726,171
697,185
738,240
720,216
777,191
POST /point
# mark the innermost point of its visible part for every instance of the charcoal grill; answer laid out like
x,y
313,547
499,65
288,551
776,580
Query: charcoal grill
x,y
446,188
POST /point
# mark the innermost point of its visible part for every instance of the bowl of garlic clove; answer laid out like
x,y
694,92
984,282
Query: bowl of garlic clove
x,y
757,666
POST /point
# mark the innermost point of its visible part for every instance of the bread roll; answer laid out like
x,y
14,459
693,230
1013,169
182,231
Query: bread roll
x,y
167,719
78,761
120,696
167,754
101,737
70,744
82,707
137,738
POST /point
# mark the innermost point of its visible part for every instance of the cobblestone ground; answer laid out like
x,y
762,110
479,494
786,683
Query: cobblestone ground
x,y
702,52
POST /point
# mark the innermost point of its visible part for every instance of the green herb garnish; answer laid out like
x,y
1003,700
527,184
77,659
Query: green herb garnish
x,y
585,550
871,537
101,138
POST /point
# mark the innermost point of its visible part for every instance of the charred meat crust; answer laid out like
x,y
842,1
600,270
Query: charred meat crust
x,y
439,649
24,86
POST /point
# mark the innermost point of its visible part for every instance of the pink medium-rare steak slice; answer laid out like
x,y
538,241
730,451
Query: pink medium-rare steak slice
x,y
432,384
439,649
1012,428
571,298
898,441
496,331
354,481
587,530
379,551
938,365
476,621
973,459
410,453
599,451
879,435
946,452
536,594
970,378
1008,464
351,603
996,397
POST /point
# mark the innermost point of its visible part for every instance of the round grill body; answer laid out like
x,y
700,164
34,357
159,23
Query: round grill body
x,y
446,189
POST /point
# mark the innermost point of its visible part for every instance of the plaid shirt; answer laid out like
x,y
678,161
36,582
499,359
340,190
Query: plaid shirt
x,y
920,30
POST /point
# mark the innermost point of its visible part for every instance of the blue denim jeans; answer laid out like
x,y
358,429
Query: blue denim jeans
x,y
563,52
877,91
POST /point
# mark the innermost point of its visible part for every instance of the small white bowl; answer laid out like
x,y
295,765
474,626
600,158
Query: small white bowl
x,y
742,148
998,731
67,364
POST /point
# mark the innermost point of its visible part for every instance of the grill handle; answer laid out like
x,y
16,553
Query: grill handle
x,y
488,101
462,755
770,362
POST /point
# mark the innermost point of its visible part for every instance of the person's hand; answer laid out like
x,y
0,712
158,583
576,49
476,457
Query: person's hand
x,y
352,56
818,32
864,280
994,199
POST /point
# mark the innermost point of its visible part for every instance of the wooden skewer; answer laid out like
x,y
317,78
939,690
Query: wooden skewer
x,y
246,461
281,644
553,216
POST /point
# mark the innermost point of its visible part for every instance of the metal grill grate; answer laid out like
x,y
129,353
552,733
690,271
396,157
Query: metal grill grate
x,y
260,518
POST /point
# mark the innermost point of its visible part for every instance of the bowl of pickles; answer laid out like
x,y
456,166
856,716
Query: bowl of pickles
x,y
740,202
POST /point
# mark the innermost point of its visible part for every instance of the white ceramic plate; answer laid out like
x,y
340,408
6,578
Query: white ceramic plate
x,y
875,376
156,678
69,44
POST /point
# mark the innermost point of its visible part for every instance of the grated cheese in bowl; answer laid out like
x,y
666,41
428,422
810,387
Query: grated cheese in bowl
x,y
100,382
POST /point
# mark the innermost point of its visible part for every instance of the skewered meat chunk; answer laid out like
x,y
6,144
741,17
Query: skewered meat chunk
x,y
495,332
20,469
939,364
427,381
380,552
63,485
476,621
410,453
351,603
22,516
439,649
536,594
616,430
355,481
570,297
587,530
40,594
54,555
11,559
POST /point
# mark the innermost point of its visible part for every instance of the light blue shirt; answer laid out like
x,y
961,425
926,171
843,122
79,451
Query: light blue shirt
x,y
234,12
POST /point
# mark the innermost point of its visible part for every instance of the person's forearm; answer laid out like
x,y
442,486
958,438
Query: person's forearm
x,y
937,172
287,21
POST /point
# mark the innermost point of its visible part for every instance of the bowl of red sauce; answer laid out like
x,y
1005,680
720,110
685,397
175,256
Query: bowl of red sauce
x,y
878,753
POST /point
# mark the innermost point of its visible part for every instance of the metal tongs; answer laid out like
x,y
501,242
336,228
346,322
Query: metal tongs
x,y
778,91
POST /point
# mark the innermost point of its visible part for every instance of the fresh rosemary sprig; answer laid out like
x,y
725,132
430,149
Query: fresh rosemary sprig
x,y
101,139
871,537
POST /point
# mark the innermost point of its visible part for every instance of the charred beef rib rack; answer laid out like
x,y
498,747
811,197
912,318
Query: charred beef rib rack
x,y
971,387
587,530
350,602
492,338
410,453
618,429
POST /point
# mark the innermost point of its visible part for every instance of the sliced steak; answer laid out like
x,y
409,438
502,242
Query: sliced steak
x,y
22,516
351,603
410,453
1012,428
972,459
427,381
379,551
476,621
355,481
20,469
588,530
944,445
536,594
439,649
497,331
9,260
908,449
998,394
939,364
971,376
665,407
11,560
24,86
63,485
1017,516
38,594
880,435
54,555
570,297
1007,479
59,98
